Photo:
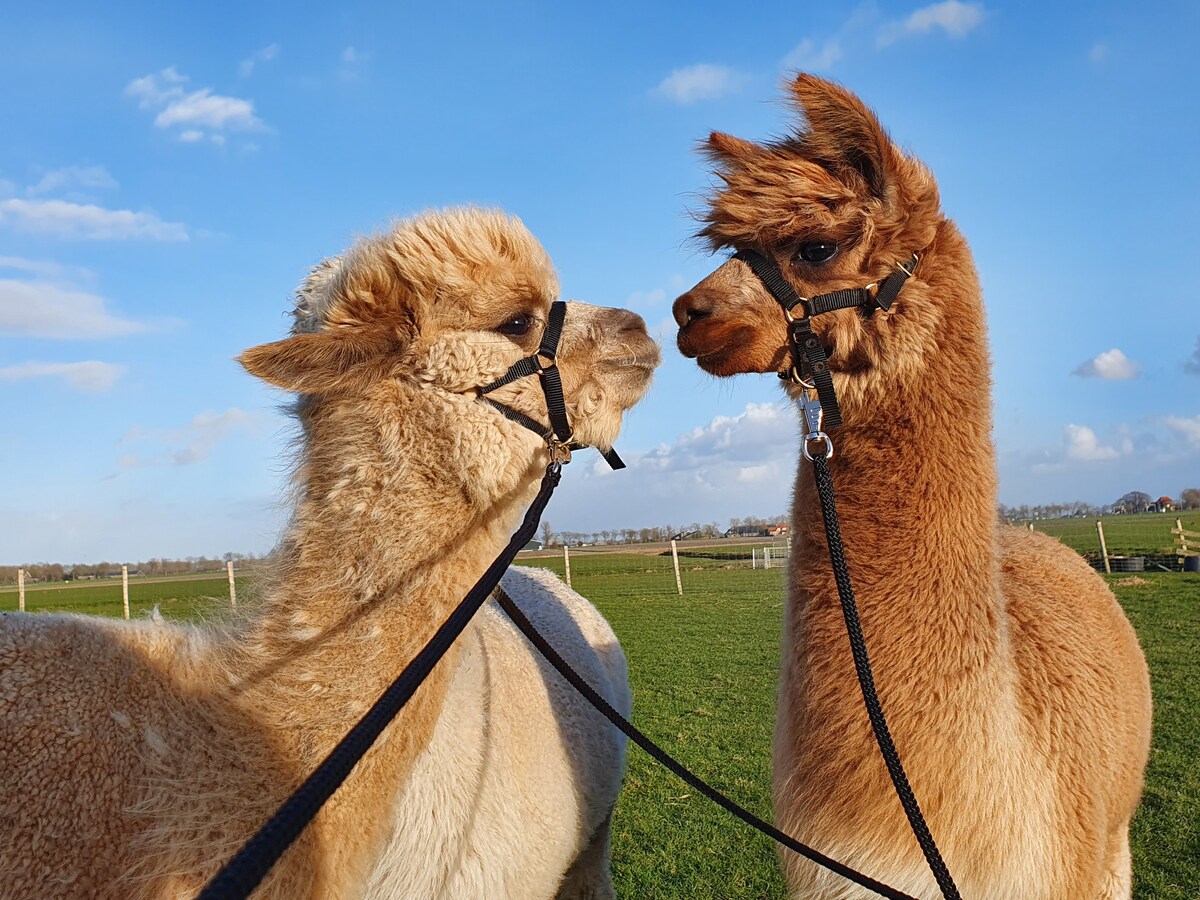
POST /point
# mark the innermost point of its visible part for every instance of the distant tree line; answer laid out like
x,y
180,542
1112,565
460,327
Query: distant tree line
x,y
651,535
43,572
1132,502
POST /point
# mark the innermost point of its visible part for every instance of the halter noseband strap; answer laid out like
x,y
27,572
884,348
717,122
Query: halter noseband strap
x,y
544,364
809,359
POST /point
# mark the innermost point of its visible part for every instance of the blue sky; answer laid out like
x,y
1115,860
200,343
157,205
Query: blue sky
x,y
168,172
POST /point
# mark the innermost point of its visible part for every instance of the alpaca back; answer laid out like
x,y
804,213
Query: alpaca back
x,y
521,772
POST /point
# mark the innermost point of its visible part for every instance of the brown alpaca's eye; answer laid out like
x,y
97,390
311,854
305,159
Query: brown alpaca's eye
x,y
816,252
517,325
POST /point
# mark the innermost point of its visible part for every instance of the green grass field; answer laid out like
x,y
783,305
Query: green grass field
x,y
704,671
1146,534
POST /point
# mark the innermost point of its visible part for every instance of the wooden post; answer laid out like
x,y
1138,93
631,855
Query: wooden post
x,y
1182,537
766,557
232,586
675,557
753,558
567,563
21,590
1104,547
125,588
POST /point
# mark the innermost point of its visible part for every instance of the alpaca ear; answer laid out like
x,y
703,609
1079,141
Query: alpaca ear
x,y
324,362
844,134
729,150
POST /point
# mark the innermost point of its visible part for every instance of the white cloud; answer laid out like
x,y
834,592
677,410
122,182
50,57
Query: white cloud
x,y
87,376
204,108
1192,366
192,112
951,16
733,466
1083,445
698,82
61,218
191,136
1111,365
189,444
73,178
350,55
49,310
266,54
1099,53
808,57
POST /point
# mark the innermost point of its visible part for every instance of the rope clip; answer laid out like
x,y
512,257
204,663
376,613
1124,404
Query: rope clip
x,y
810,405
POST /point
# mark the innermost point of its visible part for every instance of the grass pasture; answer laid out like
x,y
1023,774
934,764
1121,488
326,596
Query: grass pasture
x,y
704,670
1144,534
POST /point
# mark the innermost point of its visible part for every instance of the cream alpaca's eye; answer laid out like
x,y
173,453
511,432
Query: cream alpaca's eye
x,y
816,252
517,325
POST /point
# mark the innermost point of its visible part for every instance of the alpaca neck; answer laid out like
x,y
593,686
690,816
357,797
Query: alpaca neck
x,y
914,475
381,549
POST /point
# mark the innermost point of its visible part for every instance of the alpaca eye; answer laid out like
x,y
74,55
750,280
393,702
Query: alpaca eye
x,y
517,325
816,252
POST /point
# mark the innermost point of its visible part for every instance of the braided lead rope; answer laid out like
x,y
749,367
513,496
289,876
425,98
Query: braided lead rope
x,y
866,679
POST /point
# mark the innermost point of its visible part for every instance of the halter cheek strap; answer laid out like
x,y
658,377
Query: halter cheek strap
x,y
810,362
544,364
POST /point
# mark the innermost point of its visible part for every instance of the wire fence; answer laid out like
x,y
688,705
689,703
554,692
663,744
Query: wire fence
x,y
656,569
1118,543
1168,542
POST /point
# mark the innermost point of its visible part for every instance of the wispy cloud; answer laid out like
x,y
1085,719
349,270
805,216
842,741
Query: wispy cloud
x,y
952,17
1188,429
192,113
1098,55
77,179
48,309
699,82
87,376
1111,365
189,444
266,54
810,57
1192,366
64,219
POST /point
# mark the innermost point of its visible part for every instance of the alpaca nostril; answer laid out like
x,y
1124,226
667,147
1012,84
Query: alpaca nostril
x,y
688,308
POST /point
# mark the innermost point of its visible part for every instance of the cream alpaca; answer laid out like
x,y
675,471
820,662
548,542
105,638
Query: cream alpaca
x,y
1014,686
134,759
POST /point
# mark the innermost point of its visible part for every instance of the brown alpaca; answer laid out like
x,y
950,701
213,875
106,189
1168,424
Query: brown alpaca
x,y
1013,684
135,759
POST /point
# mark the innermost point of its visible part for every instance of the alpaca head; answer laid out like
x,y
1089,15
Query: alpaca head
x,y
835,205
444,303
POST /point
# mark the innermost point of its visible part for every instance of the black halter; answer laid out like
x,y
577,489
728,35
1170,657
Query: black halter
x,y
544,364
810,363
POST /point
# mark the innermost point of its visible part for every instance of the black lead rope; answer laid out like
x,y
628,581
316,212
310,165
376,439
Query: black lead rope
x,y
245,871
634,734
866,680
809,362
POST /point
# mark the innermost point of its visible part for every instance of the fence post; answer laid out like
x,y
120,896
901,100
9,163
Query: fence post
x,y
1182,538
766,557
232,587
21,590
1104,547
753,558
125,588
567,563
675,557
